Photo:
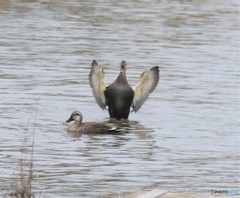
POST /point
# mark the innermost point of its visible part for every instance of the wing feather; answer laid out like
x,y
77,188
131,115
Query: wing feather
x,y
98,84
147,83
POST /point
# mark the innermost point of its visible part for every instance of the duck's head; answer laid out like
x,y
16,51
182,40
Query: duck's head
x,y
75,116
123,66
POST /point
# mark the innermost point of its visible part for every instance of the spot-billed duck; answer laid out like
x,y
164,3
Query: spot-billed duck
x,y
87,127
120,96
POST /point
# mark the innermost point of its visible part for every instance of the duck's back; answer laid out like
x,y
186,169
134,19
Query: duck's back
x,y
119,99
95,128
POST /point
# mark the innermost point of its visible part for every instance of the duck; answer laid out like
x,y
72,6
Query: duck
x,y
119,96
87,127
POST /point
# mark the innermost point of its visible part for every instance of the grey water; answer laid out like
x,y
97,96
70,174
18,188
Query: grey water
x,y
184,138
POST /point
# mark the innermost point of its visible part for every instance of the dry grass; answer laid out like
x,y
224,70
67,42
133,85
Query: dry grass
x,y
21,186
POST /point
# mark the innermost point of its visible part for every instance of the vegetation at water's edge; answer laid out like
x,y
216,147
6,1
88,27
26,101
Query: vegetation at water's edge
x,y
22,179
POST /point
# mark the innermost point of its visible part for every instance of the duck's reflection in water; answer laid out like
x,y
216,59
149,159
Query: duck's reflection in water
x,y
128,126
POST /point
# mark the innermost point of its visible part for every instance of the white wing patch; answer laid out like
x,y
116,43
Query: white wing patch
x,y
98,84
146,84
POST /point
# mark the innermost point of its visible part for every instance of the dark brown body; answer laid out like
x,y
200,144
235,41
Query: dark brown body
x,y
90,128
119,96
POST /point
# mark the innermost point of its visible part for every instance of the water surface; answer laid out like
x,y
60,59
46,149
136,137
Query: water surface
x,y
185,137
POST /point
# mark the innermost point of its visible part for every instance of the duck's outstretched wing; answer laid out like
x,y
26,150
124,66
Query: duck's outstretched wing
x,y
98,84
146,84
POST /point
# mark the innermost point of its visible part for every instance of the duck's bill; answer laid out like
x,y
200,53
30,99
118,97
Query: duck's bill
x,y
67,121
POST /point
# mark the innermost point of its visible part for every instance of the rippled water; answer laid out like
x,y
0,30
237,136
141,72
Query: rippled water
x,y
186,136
